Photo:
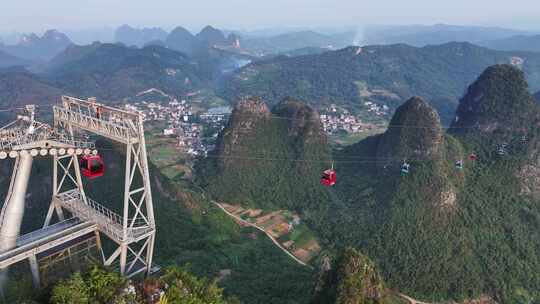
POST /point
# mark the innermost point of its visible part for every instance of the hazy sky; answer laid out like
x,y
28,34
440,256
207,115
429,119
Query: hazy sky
x,y
37,15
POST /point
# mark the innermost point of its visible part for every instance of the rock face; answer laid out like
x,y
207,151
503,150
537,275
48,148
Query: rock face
x,y
303,121
355,280
269,159
414,132
248,117
251,118
358,280
305,135
498,108
415,136
497,101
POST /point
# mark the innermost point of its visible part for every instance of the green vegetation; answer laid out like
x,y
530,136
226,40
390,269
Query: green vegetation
x,y
210,241
97,286
437,233
190,231
354,281
185,288
244,170
301,235
117,72
19,87
100,286
347,139
438,73
113,71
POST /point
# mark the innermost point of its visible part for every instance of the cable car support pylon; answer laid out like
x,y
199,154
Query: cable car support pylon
x,y
134,230
72,215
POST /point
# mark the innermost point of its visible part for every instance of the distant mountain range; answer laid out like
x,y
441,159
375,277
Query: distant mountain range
x,y
138,37
8,60
422,35
182,40
382,74
114,71
521,42
310,70
298,40
19,87
179,39
39,49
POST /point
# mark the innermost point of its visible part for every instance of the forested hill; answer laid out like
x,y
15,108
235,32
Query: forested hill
x,y
462,223
384,74
355,279
114,71
19,87
260,158
440,231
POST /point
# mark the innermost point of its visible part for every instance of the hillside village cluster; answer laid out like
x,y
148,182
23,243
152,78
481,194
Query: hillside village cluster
x,y
191,127
187,125
337,120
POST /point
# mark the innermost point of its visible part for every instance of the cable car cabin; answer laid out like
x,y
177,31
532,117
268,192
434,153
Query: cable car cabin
x,y
405,168
473,157
329,178
459,165
92,166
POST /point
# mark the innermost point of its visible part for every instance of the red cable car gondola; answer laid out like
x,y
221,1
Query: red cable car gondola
x,y
92,166
329,177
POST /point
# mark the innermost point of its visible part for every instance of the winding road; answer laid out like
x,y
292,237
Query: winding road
x,y
261,229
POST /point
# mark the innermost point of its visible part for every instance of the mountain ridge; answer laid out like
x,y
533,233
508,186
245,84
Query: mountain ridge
x,y
7,60
411,212
18,87
39,49
423,35
114,71
530,43
386,75
451,227
138,37
242,156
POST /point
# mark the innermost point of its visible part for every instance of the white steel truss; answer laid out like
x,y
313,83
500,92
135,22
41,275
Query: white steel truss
x,y
134,230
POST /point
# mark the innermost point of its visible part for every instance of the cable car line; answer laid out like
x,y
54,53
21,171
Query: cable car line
x,y
294,119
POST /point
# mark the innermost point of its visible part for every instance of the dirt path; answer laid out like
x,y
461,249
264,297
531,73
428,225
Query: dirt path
x,y
261,229
403,296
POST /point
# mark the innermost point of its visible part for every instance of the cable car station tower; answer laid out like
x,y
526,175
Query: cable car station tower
x,y
72,216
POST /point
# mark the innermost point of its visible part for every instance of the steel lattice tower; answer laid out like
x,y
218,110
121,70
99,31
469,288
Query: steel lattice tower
x,y
132,231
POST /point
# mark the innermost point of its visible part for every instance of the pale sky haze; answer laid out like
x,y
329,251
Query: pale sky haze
x,y
38,15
